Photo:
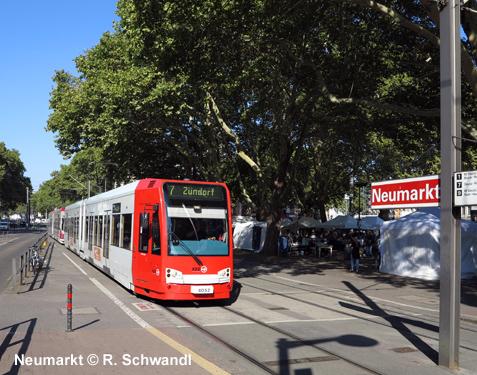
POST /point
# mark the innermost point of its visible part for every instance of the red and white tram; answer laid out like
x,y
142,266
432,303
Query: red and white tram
x,y
164,239
56,224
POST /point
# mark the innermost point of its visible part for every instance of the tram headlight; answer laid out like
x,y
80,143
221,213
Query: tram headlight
x,y
224,273
173,274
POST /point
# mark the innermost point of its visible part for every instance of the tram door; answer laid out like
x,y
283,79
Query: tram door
x,y
142,255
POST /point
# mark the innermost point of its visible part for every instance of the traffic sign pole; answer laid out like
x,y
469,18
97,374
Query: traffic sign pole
x,y
450,259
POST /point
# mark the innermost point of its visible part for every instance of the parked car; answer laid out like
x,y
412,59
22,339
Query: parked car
x,y
3,225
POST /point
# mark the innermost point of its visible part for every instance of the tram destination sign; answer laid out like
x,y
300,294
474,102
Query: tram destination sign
x,y
412,192
465,188
195,191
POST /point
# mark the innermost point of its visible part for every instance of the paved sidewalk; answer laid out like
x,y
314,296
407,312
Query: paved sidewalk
x,y
104,340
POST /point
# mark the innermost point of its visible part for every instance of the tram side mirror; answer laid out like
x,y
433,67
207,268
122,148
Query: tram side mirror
x,y
144,223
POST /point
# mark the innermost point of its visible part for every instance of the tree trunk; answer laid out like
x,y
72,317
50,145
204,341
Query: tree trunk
x,y
321,206
273,223
274,217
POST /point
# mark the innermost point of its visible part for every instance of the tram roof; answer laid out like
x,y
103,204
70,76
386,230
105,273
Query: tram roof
x,y
117,192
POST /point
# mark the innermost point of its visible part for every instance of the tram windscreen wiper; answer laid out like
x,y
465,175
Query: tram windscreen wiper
x,y
177,241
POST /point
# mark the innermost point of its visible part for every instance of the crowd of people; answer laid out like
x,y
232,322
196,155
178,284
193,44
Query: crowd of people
x,y
354,244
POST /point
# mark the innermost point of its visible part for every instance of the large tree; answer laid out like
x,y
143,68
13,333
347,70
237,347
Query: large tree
x,y
288,63
13,182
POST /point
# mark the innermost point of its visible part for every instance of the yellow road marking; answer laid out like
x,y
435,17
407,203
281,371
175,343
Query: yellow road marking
x,y
201,361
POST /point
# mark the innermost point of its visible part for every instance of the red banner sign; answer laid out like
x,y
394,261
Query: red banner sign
x,y
406,193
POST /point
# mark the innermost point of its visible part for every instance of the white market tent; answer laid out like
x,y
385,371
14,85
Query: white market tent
x,y
303,222
250,235
371,223
340,222
309,222
410,246
242,219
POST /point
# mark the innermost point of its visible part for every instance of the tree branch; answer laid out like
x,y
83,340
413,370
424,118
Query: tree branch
x,y
229,131
430,6
403,21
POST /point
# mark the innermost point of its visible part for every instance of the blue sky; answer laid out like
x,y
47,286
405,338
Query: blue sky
x,y
37,38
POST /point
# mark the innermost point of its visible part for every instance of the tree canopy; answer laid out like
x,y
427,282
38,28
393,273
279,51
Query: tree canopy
x,y
288,102
13,182
70,183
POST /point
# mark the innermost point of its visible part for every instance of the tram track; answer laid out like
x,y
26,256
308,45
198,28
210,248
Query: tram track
x,y
304,341
235,349
392,312
260,364
417,323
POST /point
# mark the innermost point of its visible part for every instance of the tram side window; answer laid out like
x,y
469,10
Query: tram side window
x,y
99,231
86,227
95,230
156,234
90,232
106,237
66,225
116,226
127,229
144,232
75,229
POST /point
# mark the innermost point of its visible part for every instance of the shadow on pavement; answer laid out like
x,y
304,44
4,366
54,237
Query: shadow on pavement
x,y
9,341
398,324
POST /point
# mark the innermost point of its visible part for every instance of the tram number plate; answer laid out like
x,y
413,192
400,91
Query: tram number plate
x,y
202,289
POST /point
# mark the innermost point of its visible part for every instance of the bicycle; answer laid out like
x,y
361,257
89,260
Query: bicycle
x,y
36,261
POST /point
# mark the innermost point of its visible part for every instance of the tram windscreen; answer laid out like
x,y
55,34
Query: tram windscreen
x,y
197,219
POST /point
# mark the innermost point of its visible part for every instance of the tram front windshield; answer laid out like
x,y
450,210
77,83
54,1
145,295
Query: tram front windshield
x,y
197,219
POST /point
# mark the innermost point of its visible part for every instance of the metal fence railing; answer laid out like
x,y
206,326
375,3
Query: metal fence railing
x,y
21,264
20,229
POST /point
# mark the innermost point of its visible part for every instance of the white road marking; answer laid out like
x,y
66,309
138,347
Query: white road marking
x,y
352,293
209,366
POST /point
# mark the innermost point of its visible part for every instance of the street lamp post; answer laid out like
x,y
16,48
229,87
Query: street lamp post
x,y
360,185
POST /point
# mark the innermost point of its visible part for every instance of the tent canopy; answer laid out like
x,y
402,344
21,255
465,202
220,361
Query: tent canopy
x,y
303,222
410,246
250,236
340,222
243,219
371,223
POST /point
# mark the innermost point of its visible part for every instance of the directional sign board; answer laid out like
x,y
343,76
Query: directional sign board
x,y
465,188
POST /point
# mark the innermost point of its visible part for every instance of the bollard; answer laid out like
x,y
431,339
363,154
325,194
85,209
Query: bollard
x,y
69,310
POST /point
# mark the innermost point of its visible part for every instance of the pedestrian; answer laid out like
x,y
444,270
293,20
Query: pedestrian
x,y
369,244
355,246
377,256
